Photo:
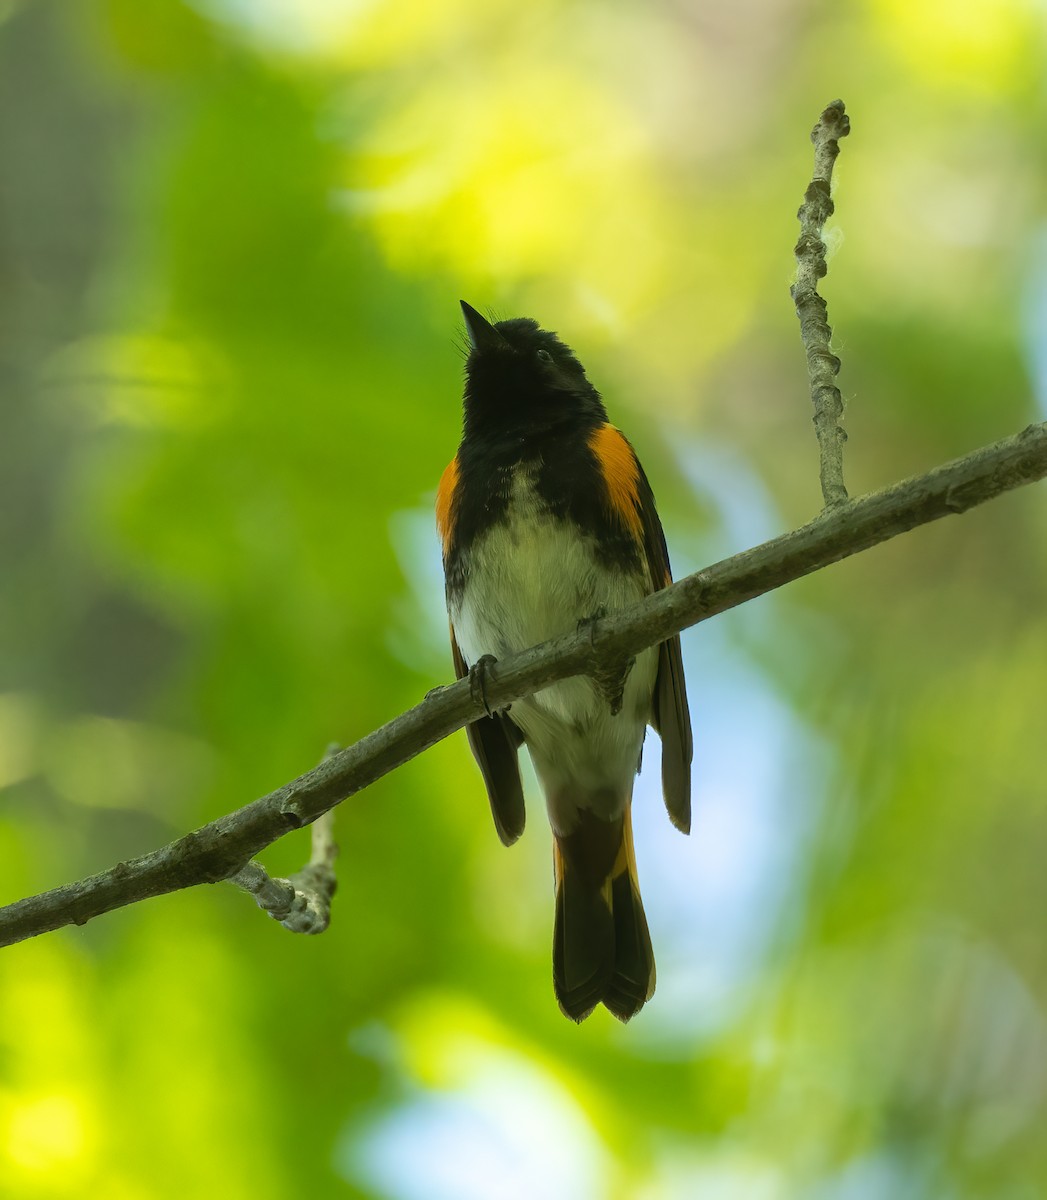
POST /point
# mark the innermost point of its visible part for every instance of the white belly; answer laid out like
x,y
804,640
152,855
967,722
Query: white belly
x,y
532,579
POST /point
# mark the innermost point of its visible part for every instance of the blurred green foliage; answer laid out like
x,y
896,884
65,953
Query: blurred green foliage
x,y
232,238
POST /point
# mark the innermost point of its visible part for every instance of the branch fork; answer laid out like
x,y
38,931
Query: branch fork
x,y
302,903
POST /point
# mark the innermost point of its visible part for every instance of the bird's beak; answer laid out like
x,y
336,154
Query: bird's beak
x,y
482,334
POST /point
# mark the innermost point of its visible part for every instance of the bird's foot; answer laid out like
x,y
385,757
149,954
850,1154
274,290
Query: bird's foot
x,y
478,680
610,682
590,623
608,677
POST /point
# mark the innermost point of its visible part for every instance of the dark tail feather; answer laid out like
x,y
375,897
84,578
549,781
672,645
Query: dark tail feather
x,y
601,946
632,983
583,941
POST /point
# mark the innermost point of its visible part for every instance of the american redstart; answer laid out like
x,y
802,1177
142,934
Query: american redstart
x,y
547,521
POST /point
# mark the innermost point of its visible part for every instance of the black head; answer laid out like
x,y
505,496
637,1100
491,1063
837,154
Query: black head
x,y
521,379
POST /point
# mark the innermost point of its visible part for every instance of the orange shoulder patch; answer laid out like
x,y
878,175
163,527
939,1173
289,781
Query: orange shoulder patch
x,y
618,467
445,500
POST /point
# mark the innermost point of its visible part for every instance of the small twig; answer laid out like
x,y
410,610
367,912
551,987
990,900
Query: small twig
x,y
302,903
822,365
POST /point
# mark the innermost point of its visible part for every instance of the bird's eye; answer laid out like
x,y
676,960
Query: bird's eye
x,y
544,356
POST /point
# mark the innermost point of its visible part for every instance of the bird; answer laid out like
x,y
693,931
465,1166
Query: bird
x,y
547,522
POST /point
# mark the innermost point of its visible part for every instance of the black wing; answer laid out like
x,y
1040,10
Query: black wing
x,y
671,718
494,742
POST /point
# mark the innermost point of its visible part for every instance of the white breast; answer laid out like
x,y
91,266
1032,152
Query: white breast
x,y
533,578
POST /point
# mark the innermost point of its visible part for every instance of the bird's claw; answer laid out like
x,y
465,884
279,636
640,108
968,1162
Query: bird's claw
x,y
590,623
611,682
609,677
478,680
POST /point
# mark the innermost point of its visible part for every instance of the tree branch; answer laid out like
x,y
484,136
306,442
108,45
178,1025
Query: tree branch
x,y
822,365
223,847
